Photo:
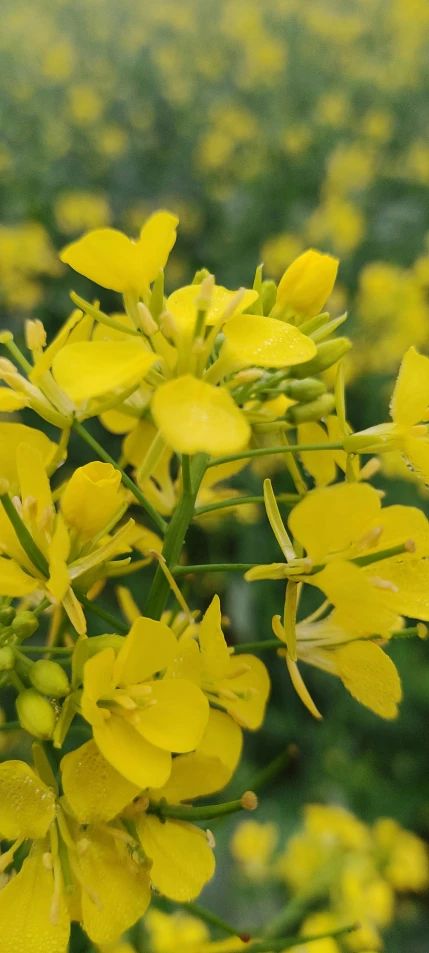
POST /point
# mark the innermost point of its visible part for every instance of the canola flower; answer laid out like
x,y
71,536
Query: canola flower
x,y
151,714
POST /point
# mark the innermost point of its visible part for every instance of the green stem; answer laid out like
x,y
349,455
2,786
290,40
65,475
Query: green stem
x,y
41,649
186,474
27,542
265,645
126,480
273,769
266,451
287,498
287,942
11,726
212,919
116,624
183,812
212,567
18,355
174,538
43,604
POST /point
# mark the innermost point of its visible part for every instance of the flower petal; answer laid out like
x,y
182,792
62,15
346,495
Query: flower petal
x,y
329,520
361,606
11,435
122,887
214,650
194,416
223,739
105,256
253,686
370,676
27,805
98,675
416,453
182,305
148,648
13,581
25,910
93,788
157,237
192,775
58,551
178,719
320,464
410,398
91,368
32,475
135,758
182,859
411,579
266,342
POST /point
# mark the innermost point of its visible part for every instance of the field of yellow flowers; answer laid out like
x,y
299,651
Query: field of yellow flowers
x,y
214,547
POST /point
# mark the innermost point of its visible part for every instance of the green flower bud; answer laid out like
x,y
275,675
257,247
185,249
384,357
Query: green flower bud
x,y
7,614
309,388
35,714
24,624
312,410
328,353
7,659
49,678
268,295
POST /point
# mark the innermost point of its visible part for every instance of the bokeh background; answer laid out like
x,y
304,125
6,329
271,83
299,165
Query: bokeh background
x,y
268,126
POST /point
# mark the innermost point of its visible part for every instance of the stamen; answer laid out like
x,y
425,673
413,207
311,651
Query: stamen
x,y
211,839
380,583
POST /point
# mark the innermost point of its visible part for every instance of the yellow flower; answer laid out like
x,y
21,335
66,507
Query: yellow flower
x,y
182,304
11,435
91,498
307,283
405,861
112,260
239,686
69,873
409,406
252,845
138,720
194,416
45,560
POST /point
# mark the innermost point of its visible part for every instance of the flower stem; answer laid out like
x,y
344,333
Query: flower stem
x,y
266,645
288,942
266,451
116,624
287,498
183,812
212,919
212,567
126,480
174,538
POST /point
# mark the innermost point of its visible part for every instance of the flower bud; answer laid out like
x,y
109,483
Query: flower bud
x,y
268,295
328,353
307,283
312,410
35,714
49,678
7,614
309,388
24,624
91,498
7,659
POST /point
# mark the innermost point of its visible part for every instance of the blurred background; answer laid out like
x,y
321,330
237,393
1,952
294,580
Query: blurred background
x,y
268,126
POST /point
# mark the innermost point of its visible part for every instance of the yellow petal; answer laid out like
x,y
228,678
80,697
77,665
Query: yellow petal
x,y
32,477
411,578
361,606
148,648
320,464
194,416
117,422
58,551
370,676
90,368
135,758
266,342
410,398
308,282
222,739
187,662
94,790
192,775
300,687
177,720
253,686
102,332
121,886
182,859
25,911
27,805
107,257
214,650
182,305
399,524
98,675
11,435
11,400
416,453
329,520
13,581
157,238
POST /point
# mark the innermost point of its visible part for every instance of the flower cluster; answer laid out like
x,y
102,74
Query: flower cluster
x,y
149,717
